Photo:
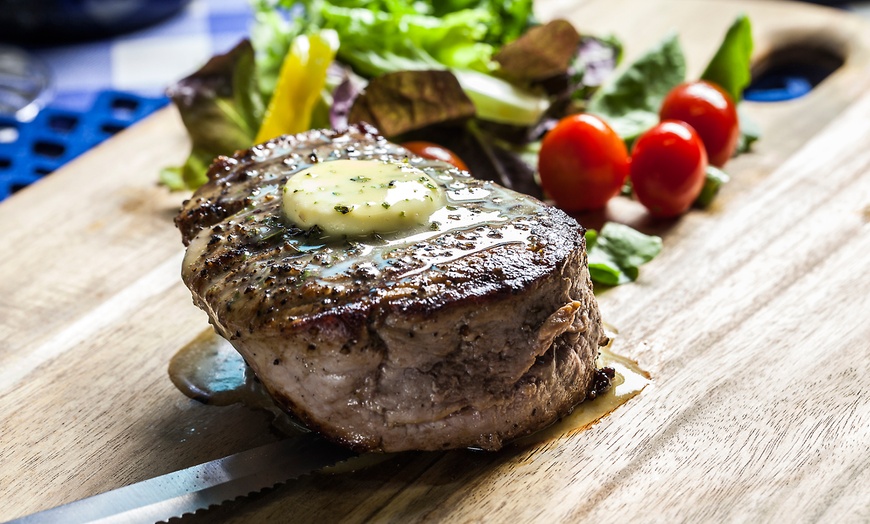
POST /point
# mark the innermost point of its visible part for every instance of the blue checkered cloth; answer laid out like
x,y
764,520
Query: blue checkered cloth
x,y
99,88
146,61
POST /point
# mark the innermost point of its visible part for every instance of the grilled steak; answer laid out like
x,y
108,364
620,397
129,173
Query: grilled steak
x,y
480,331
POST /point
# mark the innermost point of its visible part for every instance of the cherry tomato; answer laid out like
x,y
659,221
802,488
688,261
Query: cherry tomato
x,y
668,165
435,152
712,113
583,163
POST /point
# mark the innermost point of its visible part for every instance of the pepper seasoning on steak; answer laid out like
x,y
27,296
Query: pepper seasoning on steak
x,y
469,333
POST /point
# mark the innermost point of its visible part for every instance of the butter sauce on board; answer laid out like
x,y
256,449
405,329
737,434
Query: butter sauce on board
x,y
210,370
627,382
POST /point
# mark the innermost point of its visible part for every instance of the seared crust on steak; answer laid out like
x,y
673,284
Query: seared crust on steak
x,y
479,331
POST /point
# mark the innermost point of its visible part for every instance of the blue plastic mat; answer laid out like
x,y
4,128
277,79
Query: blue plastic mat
x,y
30,151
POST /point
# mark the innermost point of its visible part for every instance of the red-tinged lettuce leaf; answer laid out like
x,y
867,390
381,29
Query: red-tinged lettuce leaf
x,y
349,87
342,101
221,107
405,101
542,52
595,61
209,102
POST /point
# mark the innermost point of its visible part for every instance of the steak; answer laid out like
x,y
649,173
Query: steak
x,y
478,330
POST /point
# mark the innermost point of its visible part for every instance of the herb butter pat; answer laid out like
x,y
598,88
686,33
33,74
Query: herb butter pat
x,y
361,197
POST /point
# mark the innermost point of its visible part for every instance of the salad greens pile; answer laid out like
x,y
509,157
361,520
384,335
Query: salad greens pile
x,y
479,77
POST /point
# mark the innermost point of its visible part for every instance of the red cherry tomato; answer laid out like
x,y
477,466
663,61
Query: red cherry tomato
x,y
668,165
582,163
710,110
435,152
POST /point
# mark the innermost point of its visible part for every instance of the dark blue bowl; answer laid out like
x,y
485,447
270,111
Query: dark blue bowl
x,y
53,21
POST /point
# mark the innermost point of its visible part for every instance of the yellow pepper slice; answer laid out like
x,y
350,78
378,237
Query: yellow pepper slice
x,y
300,82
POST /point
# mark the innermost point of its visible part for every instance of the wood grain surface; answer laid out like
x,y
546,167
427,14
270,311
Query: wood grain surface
x,y
753,323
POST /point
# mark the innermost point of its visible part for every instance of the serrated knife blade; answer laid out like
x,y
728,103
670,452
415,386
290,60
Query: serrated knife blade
x,y
199,487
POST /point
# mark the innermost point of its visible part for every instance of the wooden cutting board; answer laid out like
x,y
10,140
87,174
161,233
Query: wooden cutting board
x,y
753,323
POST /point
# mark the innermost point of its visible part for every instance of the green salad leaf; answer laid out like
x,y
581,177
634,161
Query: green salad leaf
x,y
714,179
630,102
221,109
616,252
375,42
189,175
271,34
510,18
388,36
395,35
749,132
729,68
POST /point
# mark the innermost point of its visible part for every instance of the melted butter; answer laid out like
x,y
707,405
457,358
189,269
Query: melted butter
x,y
210,370
628,381
507,235
361,197
470,209
479,212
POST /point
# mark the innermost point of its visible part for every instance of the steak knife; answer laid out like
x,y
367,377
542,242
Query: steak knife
x,y
199,487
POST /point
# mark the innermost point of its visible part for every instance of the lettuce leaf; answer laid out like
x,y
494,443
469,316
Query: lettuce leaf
x,y
221,108
386,36
394,35
594,62
511,18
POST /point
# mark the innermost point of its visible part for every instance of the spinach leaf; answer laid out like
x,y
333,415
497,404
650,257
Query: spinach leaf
x,y
714,179
630,103
749,132
729,67
616,252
